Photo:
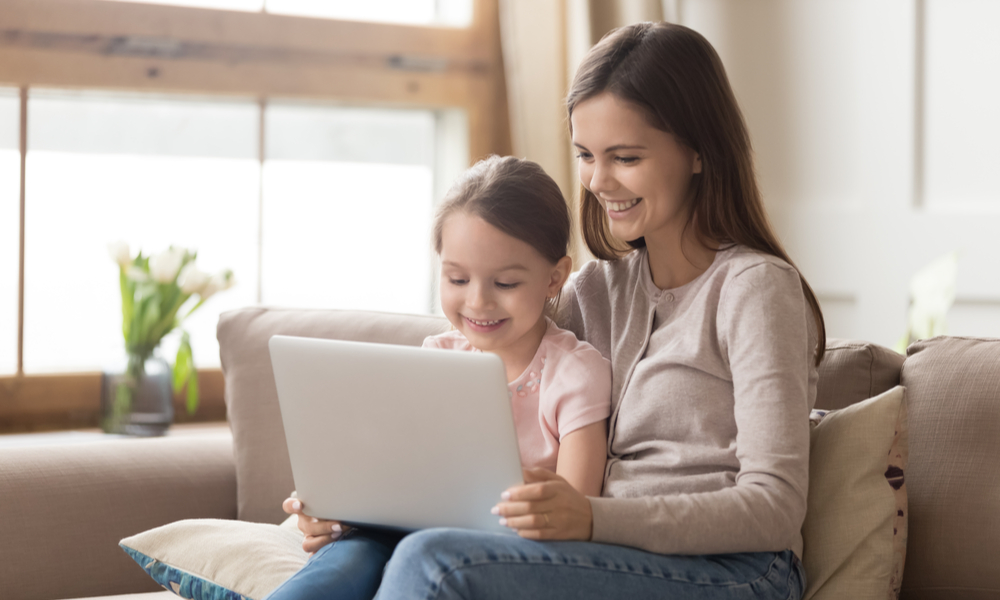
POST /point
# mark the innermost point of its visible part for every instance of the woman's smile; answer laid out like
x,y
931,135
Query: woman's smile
x,y
618,209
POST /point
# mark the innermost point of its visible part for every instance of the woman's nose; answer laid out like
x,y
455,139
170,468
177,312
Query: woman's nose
x,y
601,179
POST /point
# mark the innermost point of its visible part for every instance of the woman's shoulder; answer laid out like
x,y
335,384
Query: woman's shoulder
x,y
739,270
599,273
741,261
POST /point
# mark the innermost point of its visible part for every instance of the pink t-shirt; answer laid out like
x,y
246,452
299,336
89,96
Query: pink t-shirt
x,y
567,386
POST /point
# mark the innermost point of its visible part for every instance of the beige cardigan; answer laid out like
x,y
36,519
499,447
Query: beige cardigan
x,y
708,446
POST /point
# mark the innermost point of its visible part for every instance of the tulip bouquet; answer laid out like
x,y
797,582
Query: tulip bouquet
x,y
159,292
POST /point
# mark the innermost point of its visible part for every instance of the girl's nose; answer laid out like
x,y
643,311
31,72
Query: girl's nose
x,y
479,296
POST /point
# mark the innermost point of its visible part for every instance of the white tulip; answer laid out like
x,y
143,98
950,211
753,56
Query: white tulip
x,y
192,280
163,267
136,273
120,253
223,280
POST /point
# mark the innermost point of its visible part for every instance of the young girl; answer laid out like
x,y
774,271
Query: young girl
x,y
501,233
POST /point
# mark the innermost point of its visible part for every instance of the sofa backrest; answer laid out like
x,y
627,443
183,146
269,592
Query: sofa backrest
x,y
851,371
855,370
953,477
263,472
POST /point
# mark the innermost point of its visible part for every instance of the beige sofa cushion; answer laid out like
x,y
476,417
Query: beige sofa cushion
x,y
853,370
855,527
263,472
953,393
64,508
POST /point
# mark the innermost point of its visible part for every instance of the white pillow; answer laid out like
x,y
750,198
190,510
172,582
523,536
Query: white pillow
x,y
217,559
855,526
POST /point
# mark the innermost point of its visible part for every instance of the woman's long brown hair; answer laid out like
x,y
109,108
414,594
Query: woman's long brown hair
x,y
673,75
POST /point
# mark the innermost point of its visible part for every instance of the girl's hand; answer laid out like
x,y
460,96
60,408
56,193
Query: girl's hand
x,y
546,507
319,532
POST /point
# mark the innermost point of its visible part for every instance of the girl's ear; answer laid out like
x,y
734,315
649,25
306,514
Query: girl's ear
x,y
560,273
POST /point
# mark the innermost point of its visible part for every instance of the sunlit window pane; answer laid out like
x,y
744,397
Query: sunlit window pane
x,y
348,201
251,5
454,13
10,187
152,171
449,13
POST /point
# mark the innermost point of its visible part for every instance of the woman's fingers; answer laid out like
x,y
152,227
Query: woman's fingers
x,y
547,507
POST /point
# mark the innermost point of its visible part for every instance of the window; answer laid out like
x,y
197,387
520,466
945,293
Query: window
x,y
283,147
454,13
10,182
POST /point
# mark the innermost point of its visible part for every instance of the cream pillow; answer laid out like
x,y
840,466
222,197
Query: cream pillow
x,y
855,526
217,559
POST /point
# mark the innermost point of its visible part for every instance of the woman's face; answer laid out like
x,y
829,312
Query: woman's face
x,y
640,175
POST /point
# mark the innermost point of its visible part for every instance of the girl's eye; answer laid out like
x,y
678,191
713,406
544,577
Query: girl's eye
x,y
454,281
627,160
584,155
507,286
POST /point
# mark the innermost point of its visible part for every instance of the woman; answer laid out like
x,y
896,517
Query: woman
x,y
714,339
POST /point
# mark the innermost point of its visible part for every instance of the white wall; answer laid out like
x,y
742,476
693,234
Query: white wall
x,y
877,132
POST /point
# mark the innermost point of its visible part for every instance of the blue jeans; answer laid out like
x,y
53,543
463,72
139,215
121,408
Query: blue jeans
x,y
456,563
348,569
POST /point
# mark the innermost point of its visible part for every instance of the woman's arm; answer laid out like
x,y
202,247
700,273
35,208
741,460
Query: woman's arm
x,y
582,456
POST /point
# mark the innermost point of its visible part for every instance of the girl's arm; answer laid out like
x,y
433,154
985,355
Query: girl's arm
x,y
582,456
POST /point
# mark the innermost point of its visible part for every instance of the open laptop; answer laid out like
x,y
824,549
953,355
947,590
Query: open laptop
x,y
396,436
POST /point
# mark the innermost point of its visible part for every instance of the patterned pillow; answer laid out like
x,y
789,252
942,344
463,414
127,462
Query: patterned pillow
x,y
855,527
216,559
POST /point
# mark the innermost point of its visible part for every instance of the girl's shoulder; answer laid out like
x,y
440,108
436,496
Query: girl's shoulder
x,y
561,346
449,340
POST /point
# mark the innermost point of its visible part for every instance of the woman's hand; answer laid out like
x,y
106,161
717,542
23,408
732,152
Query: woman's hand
x,y
318,532
546,507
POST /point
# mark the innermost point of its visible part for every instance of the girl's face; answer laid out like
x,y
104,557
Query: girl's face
x,y
494,286
640,175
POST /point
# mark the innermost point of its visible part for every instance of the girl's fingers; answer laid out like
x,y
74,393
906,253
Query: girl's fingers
x,y
292,506
313,543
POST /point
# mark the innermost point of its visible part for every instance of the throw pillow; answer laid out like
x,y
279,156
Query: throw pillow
x,y
216,559
855,526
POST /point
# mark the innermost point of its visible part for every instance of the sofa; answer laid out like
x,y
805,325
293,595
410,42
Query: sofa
x,y
65,507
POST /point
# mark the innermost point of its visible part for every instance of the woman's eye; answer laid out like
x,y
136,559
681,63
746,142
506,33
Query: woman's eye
x,y
584,155
627,160
454,281
507,286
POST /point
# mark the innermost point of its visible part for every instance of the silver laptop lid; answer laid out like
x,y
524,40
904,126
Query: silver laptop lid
x,y
396,436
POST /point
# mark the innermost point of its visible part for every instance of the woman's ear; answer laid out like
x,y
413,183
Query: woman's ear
x,y
560,273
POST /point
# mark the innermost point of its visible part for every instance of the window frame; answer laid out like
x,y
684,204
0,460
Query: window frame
x,y
139,47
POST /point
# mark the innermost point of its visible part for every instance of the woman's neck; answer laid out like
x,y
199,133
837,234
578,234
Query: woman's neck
x,y
676,260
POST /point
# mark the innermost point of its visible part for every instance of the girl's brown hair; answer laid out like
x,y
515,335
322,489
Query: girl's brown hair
x,y
517,197
674,76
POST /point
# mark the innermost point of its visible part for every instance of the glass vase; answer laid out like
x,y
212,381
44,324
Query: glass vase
x,y
137,399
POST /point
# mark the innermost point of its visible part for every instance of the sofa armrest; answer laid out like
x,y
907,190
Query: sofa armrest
x,y
63,509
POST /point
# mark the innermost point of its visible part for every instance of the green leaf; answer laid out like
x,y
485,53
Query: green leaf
x,y
182,366
192,395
